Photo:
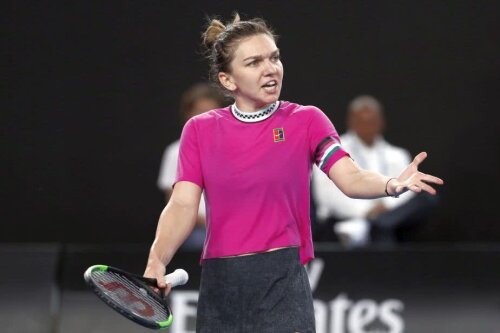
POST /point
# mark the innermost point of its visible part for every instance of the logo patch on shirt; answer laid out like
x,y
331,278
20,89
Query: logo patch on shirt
x,y
279,134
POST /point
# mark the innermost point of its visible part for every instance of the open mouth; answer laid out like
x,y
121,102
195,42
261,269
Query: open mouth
x,y
271,84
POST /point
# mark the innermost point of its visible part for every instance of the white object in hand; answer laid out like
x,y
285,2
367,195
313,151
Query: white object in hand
x,y
177,278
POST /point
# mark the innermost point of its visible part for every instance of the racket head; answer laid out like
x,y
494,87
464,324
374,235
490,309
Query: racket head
x,y
129,295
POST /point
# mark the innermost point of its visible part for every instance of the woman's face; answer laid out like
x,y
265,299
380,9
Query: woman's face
x,y
256,73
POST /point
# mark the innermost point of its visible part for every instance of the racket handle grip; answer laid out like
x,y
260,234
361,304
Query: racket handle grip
x,y
177,278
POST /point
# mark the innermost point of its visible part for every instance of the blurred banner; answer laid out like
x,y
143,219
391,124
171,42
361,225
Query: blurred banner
x,y
416,289
412,290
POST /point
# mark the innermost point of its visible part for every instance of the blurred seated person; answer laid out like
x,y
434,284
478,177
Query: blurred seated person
x,y
358,222
199,98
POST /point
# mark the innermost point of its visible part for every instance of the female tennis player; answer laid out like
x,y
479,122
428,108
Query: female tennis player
x,y
253,159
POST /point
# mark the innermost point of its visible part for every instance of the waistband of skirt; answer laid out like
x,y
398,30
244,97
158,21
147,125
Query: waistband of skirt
x,y
286,253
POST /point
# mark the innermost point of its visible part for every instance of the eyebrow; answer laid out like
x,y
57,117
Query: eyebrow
x,y
256,57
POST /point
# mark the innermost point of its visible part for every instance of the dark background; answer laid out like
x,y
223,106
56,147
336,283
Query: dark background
x,y
90,93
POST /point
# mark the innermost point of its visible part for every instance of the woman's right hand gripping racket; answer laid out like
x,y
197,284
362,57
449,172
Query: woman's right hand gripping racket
x,y
133,295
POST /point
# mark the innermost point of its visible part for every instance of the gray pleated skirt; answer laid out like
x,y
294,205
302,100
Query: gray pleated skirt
x,y
265,293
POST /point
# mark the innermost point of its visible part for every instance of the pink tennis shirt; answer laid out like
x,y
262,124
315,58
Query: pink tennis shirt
x,y
255,171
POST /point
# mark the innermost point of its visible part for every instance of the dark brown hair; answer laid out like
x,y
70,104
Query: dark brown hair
x,y
221,41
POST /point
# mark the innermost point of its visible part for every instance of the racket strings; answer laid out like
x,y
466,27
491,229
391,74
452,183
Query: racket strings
x,y
130,296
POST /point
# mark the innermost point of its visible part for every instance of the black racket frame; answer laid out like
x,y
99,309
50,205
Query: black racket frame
x,y
145,283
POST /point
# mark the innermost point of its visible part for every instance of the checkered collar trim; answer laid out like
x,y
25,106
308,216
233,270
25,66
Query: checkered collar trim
x,y
253,117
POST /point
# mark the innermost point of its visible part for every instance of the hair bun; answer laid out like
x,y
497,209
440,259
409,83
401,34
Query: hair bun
x,y
215,28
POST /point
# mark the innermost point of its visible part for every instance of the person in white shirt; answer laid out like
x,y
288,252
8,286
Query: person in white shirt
x,y
354,220
199,98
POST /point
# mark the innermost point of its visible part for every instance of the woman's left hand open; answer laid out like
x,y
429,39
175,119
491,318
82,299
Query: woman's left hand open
x,y
413,180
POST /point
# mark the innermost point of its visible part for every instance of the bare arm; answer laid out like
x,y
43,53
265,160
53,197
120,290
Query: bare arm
x,y
200,219
168,194
174,226
363,184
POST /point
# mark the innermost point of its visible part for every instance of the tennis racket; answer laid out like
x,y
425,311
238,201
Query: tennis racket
x,y
131,295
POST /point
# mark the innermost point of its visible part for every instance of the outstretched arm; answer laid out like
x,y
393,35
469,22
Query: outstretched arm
x,y
363,184
174,226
